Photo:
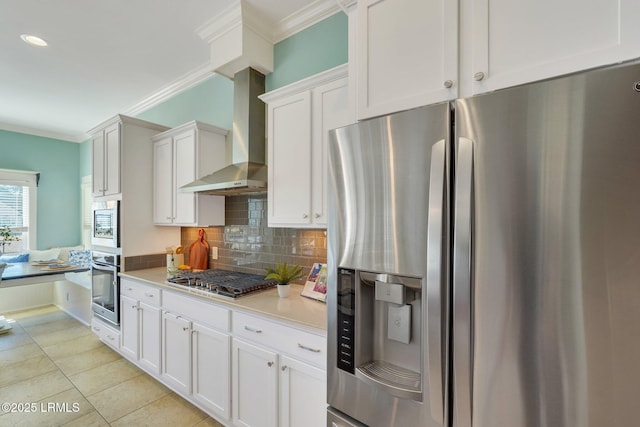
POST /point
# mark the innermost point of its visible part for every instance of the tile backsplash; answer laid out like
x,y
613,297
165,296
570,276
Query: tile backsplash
x,y
246,243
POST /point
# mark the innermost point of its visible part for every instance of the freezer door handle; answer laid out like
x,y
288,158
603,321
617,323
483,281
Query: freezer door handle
x,y
462,278
436,223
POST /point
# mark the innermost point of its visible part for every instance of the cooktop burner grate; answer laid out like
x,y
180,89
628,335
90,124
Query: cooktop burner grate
x,y
231,284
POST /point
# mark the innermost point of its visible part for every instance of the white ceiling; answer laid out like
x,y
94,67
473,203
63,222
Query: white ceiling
x,y
110,57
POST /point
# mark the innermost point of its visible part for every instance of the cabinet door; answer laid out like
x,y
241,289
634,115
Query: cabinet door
x,y
518,42
211,377
176,352
407,54
129,327
185,173
163,189
254,385
330,110
112,159
303,394
289,198
98,184
150,321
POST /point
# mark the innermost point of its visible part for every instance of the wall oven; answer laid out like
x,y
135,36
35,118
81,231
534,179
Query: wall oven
x,y
105,286
105,224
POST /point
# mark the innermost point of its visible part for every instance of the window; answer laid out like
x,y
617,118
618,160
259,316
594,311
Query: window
x,y
18,191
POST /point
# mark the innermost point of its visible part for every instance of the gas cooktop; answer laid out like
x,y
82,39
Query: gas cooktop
x,y
231,284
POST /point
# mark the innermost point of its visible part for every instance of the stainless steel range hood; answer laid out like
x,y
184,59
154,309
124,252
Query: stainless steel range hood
x,y
248,172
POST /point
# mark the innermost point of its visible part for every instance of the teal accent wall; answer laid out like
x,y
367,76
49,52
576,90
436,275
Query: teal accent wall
x,y
86,158
58,222
317,48
210,102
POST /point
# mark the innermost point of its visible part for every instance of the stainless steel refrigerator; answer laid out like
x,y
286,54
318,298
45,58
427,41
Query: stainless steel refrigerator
x,y
484,260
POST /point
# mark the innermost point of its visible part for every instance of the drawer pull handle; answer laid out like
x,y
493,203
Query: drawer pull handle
x,y
129,289
147,294
95,328
269,364
257,331
284,368
110,337
304,347
185,328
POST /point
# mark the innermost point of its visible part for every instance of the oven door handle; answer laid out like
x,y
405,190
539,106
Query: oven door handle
x,y
103,267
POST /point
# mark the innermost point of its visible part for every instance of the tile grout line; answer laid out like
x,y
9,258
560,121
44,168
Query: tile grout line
x,y
64,374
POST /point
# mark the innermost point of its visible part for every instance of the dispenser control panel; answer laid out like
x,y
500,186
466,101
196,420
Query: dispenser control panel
x,y
346,319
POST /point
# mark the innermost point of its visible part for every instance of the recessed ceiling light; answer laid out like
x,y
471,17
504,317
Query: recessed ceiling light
x,y
33,40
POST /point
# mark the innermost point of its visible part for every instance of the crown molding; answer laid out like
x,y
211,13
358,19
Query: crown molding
x,y
224,22
239,13
305,18
307,83
40,132
179,85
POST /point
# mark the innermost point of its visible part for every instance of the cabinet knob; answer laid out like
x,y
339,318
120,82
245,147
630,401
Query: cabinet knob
x,y
448,84
317,215
284,368
269,364
479,76
305,216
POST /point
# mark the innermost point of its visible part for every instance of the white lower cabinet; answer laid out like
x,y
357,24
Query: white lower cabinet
x,y
196,352
140,327
303,393
106,333
211,360
255,385
176,352
129,327
279,374
242,369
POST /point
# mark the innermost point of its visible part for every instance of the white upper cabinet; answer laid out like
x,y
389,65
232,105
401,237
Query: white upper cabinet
x,y
181,156
512,43
406,54
122,170
106,161
299,118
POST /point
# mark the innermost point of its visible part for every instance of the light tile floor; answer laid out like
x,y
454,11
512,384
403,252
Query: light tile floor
x,y
56,368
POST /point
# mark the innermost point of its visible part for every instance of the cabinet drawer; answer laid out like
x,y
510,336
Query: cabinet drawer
x,y
300,344
199,311
150,295
106,333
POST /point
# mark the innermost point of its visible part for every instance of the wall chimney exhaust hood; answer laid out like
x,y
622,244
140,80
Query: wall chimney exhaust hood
x,y
248,172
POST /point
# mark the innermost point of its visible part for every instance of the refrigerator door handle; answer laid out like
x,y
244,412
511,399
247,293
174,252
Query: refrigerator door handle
x,y
462,270
435,279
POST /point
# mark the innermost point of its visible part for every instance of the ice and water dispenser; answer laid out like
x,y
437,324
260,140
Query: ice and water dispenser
x,y
380,331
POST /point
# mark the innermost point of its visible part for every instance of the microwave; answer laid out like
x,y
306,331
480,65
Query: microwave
x,y
105,221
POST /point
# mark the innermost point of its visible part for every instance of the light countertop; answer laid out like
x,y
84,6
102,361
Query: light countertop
x,y
296,309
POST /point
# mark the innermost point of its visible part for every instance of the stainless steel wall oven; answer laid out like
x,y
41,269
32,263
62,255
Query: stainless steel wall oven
x,y
105,286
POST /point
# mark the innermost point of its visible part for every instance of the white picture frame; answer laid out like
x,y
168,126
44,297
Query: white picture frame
x,y
316,285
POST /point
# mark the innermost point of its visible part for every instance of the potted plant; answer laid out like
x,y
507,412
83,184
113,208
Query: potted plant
x,y
6,237
284,274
